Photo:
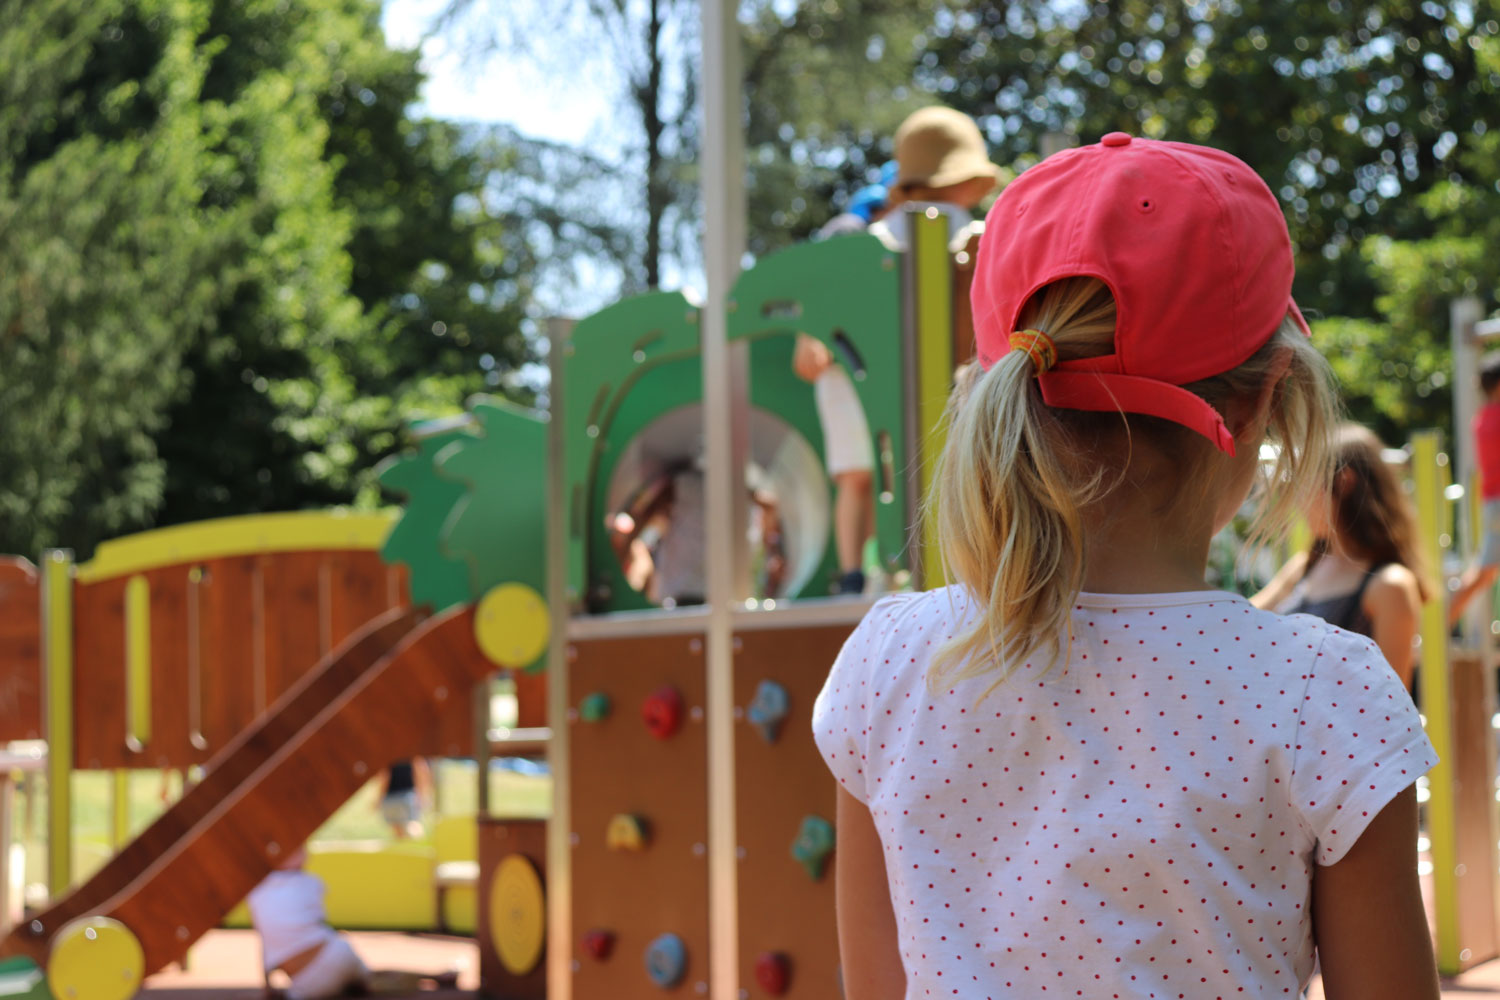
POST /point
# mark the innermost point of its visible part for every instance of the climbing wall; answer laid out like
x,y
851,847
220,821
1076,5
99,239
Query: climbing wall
x,y
640,816
784,807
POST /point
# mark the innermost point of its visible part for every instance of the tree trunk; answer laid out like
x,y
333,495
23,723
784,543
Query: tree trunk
x,y
650,101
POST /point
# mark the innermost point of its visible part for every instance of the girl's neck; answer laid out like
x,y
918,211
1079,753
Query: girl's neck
x,y
1340,555
1133,549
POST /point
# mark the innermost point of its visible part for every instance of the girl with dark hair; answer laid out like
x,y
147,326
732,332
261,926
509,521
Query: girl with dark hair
x,y
1364,570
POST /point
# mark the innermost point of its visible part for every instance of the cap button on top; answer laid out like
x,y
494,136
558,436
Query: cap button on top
x,y
1115,139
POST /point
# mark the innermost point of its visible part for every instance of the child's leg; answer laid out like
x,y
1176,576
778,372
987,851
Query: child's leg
x,y
334,969
853,511
403,981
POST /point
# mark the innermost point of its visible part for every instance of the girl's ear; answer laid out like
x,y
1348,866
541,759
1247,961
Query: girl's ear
x,y
1343,480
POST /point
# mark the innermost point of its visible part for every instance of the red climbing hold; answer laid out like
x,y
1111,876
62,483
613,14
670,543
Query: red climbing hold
x,y
599,944
662,712
773,971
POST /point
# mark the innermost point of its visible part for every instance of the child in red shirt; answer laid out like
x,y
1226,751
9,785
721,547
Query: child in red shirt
x,y
1482,575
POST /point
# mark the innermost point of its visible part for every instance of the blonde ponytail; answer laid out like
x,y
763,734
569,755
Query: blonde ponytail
x,y
1015,475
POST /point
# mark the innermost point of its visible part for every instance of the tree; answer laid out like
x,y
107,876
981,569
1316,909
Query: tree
x,y
646,49
1372,122
105,259
233,265
826,83
375,284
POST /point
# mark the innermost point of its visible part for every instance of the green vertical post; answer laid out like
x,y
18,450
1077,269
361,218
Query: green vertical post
x,y
57,657
1429,474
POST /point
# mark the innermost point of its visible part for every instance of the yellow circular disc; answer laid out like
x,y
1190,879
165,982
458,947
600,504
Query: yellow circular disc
x,y
518,915
512,625
95,958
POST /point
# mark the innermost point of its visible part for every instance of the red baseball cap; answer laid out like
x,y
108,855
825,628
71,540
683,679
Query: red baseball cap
x,y
1190,241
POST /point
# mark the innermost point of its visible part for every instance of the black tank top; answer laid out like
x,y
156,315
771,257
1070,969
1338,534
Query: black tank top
x,y
402,778
1344,610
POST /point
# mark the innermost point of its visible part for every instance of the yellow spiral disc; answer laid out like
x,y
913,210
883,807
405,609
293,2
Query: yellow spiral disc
x,y
518,915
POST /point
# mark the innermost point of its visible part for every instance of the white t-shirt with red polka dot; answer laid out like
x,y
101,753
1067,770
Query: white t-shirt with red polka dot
x,y
1142,822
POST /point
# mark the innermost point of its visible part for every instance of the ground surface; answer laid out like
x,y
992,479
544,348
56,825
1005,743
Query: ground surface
x,y
225,965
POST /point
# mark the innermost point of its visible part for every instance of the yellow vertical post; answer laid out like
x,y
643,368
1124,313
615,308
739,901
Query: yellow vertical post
x,y
119,808
934,291
1429,474
137,663
57,656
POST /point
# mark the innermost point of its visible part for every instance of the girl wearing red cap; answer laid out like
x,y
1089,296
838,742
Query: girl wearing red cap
x,y
1077,771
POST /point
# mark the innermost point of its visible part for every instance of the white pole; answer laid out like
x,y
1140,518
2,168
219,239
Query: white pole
x,y
560,824
1462,315
726,430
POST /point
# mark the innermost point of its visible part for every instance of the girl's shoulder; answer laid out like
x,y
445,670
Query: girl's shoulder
x,y
906,630
900,616
1393,583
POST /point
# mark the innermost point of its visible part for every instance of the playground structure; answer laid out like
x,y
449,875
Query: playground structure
x,y
689,844
292,656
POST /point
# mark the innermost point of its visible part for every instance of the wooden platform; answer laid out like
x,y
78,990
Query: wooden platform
x,y
225,965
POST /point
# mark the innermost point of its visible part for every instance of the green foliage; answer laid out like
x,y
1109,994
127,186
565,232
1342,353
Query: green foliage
x,y
377,283
826,85
1347,110
1374,123
105,259
232,264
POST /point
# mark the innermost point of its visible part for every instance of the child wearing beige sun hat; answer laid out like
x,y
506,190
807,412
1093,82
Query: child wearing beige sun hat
x,y
942,161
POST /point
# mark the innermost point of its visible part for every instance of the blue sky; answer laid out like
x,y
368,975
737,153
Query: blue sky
x,y
497,88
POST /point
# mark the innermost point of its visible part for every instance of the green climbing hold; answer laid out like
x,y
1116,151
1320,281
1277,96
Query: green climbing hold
x,y
594,707
813,845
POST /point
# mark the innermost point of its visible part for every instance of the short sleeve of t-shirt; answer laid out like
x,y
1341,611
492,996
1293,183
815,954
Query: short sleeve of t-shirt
x,y
1359,743
841,715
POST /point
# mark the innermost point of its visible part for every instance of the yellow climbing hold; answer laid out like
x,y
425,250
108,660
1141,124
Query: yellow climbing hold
x,y
512,625
95,958
518,915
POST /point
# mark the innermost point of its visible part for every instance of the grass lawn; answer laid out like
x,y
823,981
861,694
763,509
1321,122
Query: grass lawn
x,y
150,791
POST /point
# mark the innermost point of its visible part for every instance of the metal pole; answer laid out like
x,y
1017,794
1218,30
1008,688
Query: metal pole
x,y
726,420
1462,315
560,824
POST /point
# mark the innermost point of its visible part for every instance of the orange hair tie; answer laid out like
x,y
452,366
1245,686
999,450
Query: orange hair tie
x,y
1038,347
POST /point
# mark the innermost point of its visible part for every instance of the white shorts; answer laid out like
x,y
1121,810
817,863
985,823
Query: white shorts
x,y
333,969
846,432
1489,551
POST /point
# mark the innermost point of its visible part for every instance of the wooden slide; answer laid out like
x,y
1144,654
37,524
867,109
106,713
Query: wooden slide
x,y
368,703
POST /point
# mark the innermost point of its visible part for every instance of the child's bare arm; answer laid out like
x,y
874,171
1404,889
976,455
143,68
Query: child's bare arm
x,y
868,948
1367,914
1282,583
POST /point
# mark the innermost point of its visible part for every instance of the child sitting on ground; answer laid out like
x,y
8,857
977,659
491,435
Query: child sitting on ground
x,y
287,911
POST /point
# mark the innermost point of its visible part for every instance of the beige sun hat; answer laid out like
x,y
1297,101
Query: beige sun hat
x,y
939,146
